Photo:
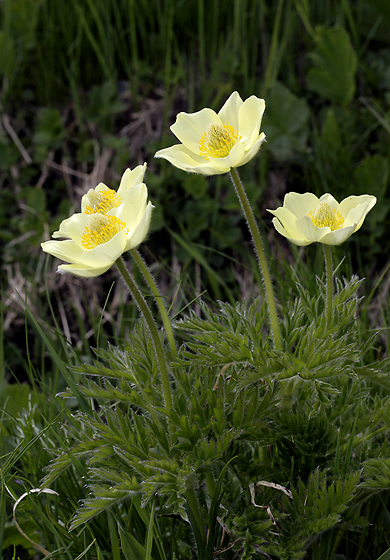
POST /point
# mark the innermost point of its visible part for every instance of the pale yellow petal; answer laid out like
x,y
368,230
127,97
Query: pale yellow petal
x,y
190,127
133,206
359,213
131,178
106,253
234,159
249,120
182,158
76,226
300,204
287,221
102,255
62,233
74,251
66,250
230,110
82,270
181,154
338,236
141,230
253,151
280,229
330,201
355,208
309,231
85,199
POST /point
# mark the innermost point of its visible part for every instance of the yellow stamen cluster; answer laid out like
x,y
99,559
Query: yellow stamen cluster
x,y
325,216
101,201
218,140
100,229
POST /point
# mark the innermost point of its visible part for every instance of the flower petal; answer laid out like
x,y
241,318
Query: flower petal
x,y
190,127
85,199
287,221
83,270
279,228
249,120
230,110
63,231
141,230
76,227
338,236
66,250
182,158
133,206
106,253
102,255
309,231
330,201
355,208
234,159
300,204
130,179
253,151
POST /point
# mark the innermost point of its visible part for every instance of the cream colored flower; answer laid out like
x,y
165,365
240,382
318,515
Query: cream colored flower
x,y
211,143
112,222
305,219
105,200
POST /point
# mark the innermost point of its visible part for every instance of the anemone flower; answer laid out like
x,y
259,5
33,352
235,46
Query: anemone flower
x,y
112,223
213,143
306,219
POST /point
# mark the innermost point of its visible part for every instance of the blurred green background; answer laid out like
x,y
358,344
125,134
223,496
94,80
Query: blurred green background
x,y
90,88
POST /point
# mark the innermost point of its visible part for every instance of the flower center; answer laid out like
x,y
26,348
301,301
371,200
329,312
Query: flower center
x,y
325,216
101,201
218,140
100,229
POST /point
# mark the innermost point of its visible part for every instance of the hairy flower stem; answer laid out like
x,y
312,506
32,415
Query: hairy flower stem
x,y
329,284
262,260
143,306
157,297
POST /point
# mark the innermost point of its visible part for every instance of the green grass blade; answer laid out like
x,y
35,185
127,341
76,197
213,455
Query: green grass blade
x,y
214,278
84,405
385,555
149,538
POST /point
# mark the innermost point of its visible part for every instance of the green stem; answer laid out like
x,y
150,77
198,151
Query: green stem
x,y
210,485
275,44
363,439
329,284
143,306
192,503
157,297
260,256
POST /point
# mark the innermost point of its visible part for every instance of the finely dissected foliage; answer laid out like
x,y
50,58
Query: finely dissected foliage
x,y
241,414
